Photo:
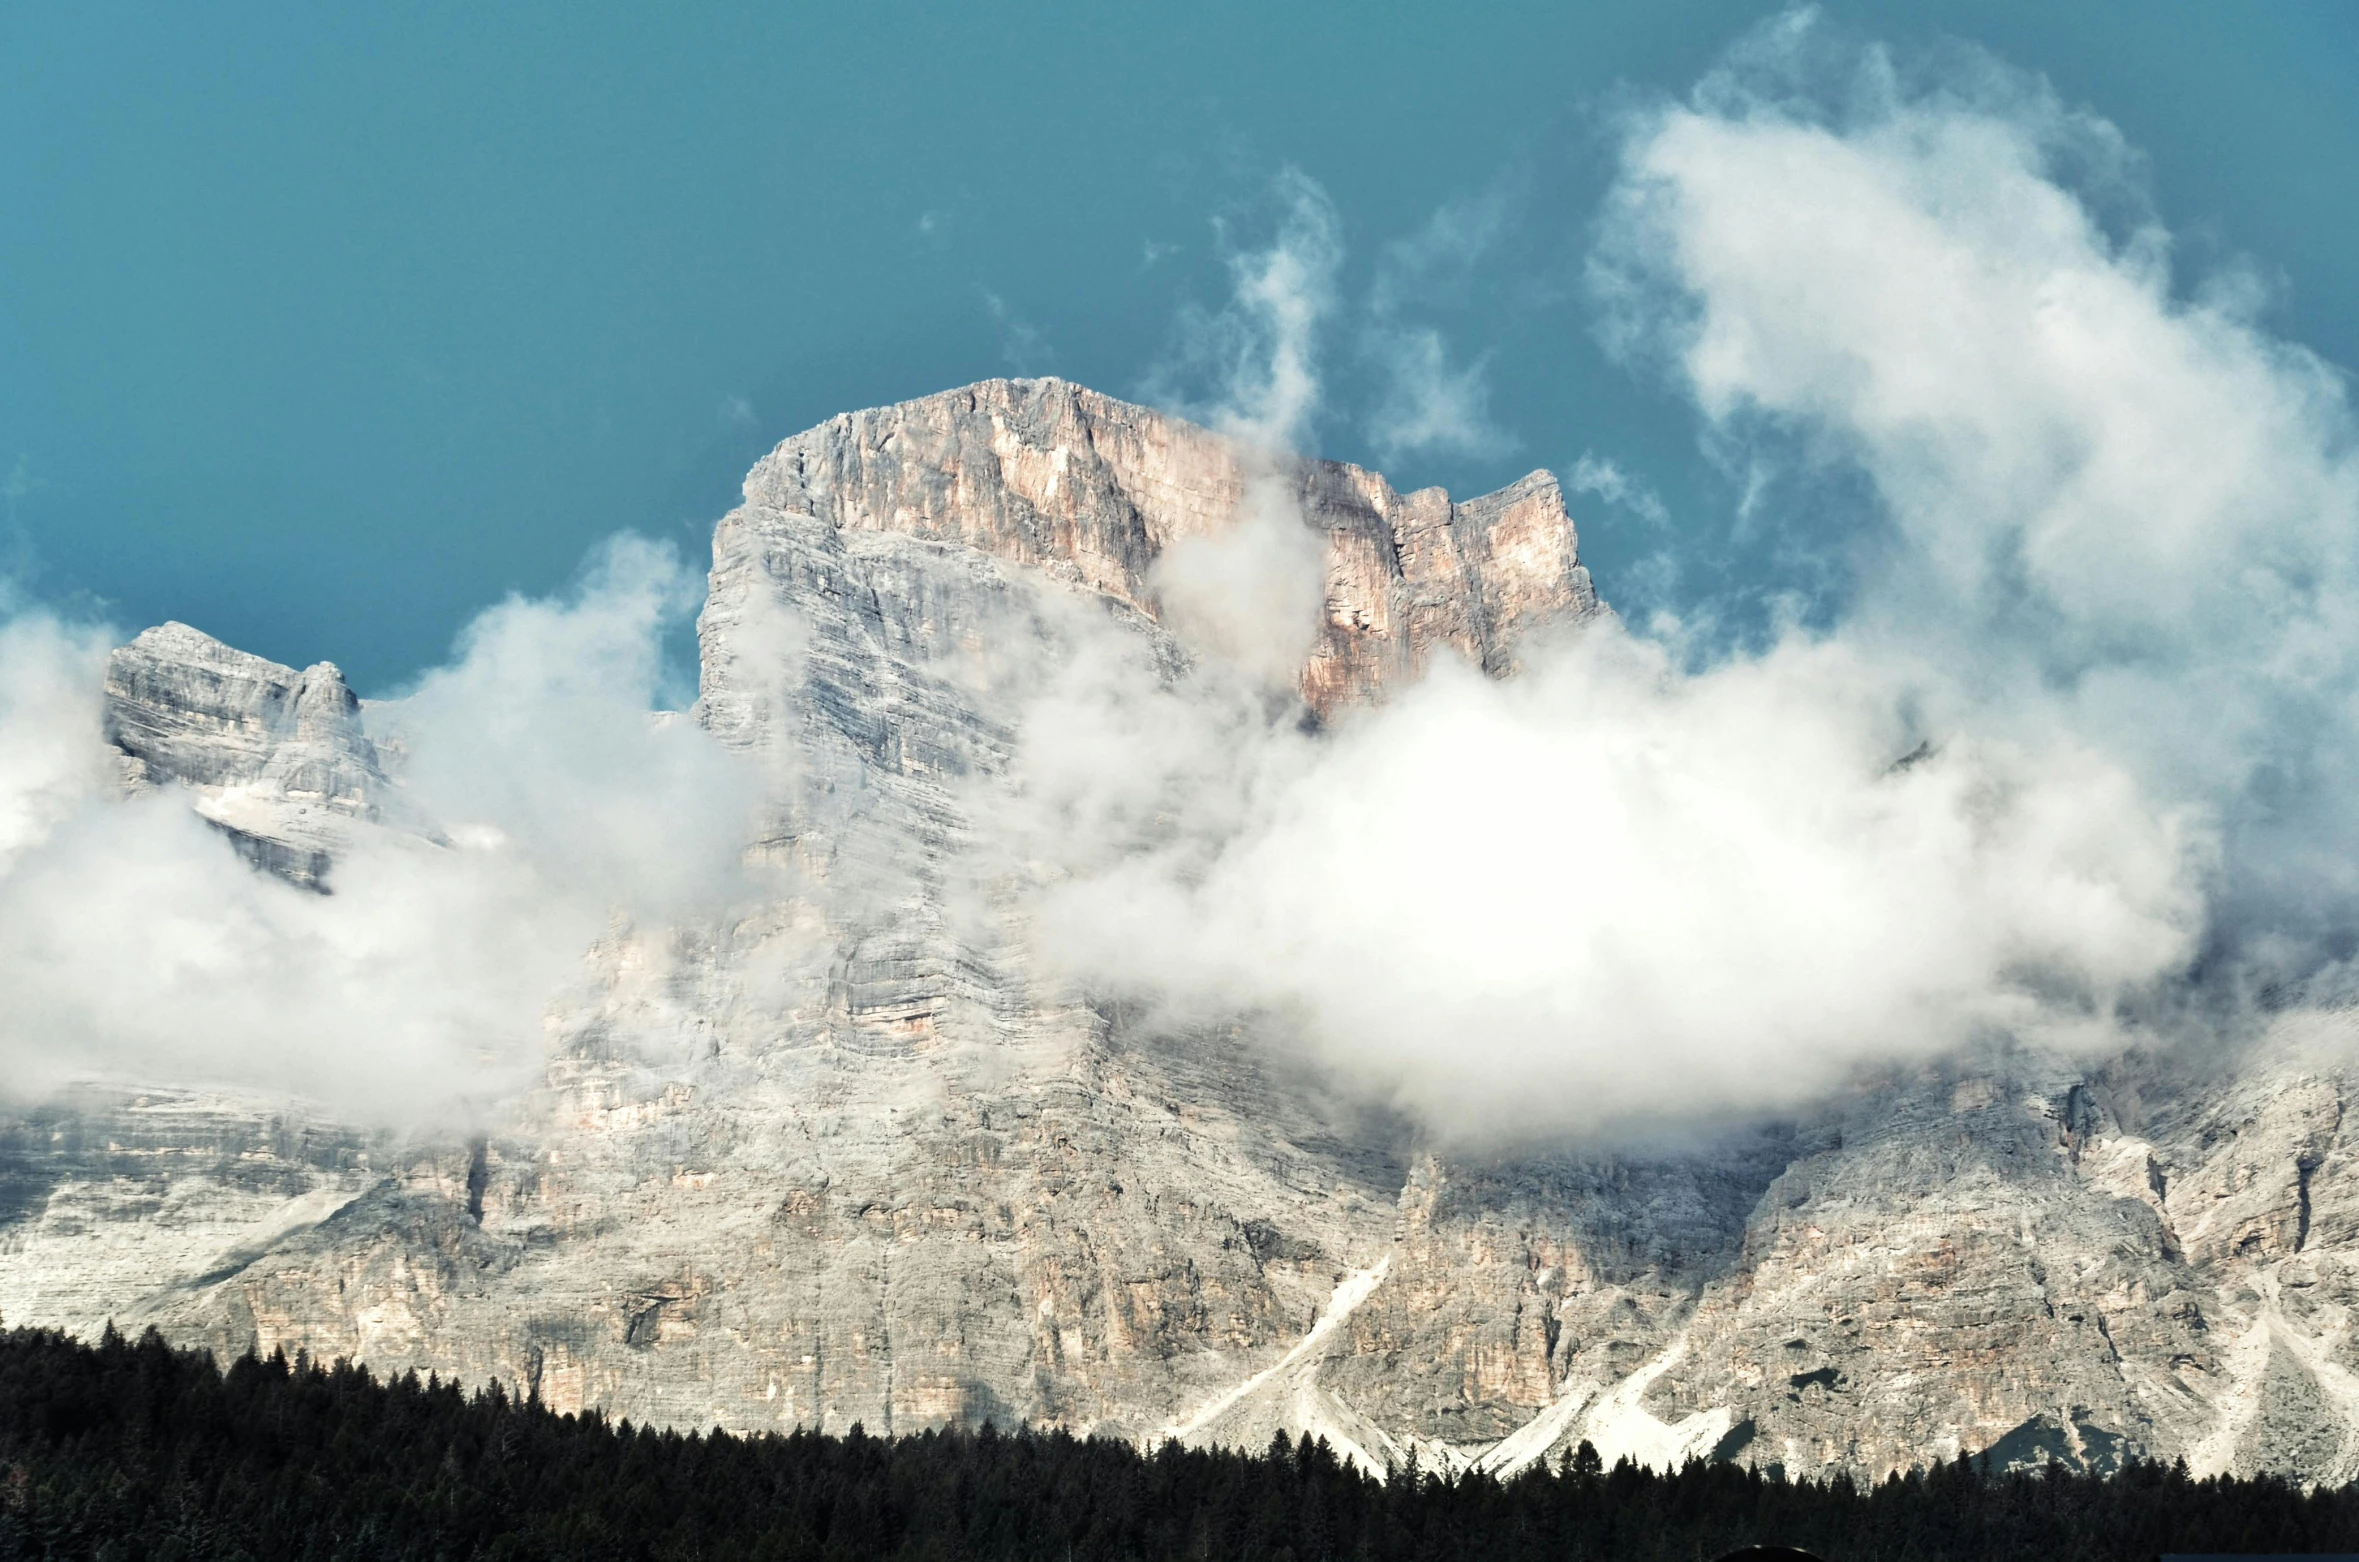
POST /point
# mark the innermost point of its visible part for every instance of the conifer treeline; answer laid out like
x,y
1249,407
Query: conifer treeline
x,y
130,1449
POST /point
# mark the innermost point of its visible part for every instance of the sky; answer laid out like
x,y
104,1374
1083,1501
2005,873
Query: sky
x,y
324,328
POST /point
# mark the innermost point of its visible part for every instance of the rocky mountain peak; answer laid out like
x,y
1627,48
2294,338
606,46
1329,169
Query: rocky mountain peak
x,y
1092,490
189,708
277,756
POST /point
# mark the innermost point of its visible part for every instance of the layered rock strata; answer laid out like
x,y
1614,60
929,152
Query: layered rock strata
x,y
857,1157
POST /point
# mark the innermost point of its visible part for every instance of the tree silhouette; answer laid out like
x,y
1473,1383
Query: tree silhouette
x,y
131,1449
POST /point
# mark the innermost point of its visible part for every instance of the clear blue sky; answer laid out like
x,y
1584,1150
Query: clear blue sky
x,y
322,326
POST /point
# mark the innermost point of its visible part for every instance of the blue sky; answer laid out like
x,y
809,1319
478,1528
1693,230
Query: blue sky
x,y
322,327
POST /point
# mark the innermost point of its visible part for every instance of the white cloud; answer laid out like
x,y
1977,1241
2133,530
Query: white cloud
x,y
1283,295
1250,591
1260,353
135,943
2114,509
1426,405
50,753
2088,700
542,729
2106,621
1610,891
1595,474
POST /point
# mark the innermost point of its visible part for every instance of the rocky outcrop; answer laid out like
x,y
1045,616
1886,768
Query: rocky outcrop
x,y
278,759
855,1157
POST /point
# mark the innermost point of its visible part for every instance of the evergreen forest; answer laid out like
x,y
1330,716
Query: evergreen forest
x,y
132,1449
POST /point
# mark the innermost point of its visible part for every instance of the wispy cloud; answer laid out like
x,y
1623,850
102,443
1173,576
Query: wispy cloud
x,y
19,485
1020,341
1436,264
1595,474
1250,591
1423,403
1251,367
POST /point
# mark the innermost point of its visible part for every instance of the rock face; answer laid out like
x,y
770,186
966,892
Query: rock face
x,y
278,757
1093,490
854,1158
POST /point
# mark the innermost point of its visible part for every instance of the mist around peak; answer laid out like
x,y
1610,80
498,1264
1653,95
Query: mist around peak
x,y
538,799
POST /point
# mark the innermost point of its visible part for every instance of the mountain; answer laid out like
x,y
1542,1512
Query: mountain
x,y
278,758
857,1155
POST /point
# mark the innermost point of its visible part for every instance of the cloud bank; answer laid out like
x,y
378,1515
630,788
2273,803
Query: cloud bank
x,y
134,943
1611,891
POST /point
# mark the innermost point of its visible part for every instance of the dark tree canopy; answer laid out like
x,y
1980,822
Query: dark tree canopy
x,y
131,1449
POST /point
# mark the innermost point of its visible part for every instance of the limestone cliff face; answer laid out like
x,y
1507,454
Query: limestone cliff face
x,y
855,1157
1092,490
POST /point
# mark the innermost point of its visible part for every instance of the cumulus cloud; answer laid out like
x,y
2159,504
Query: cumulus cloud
x,y
2082,716
540,798
1610,891
2112,507
543,729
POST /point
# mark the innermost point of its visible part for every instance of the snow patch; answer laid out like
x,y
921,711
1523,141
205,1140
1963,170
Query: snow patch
x,y
2247,1364
1354,1289
1622,1428
1530,1442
